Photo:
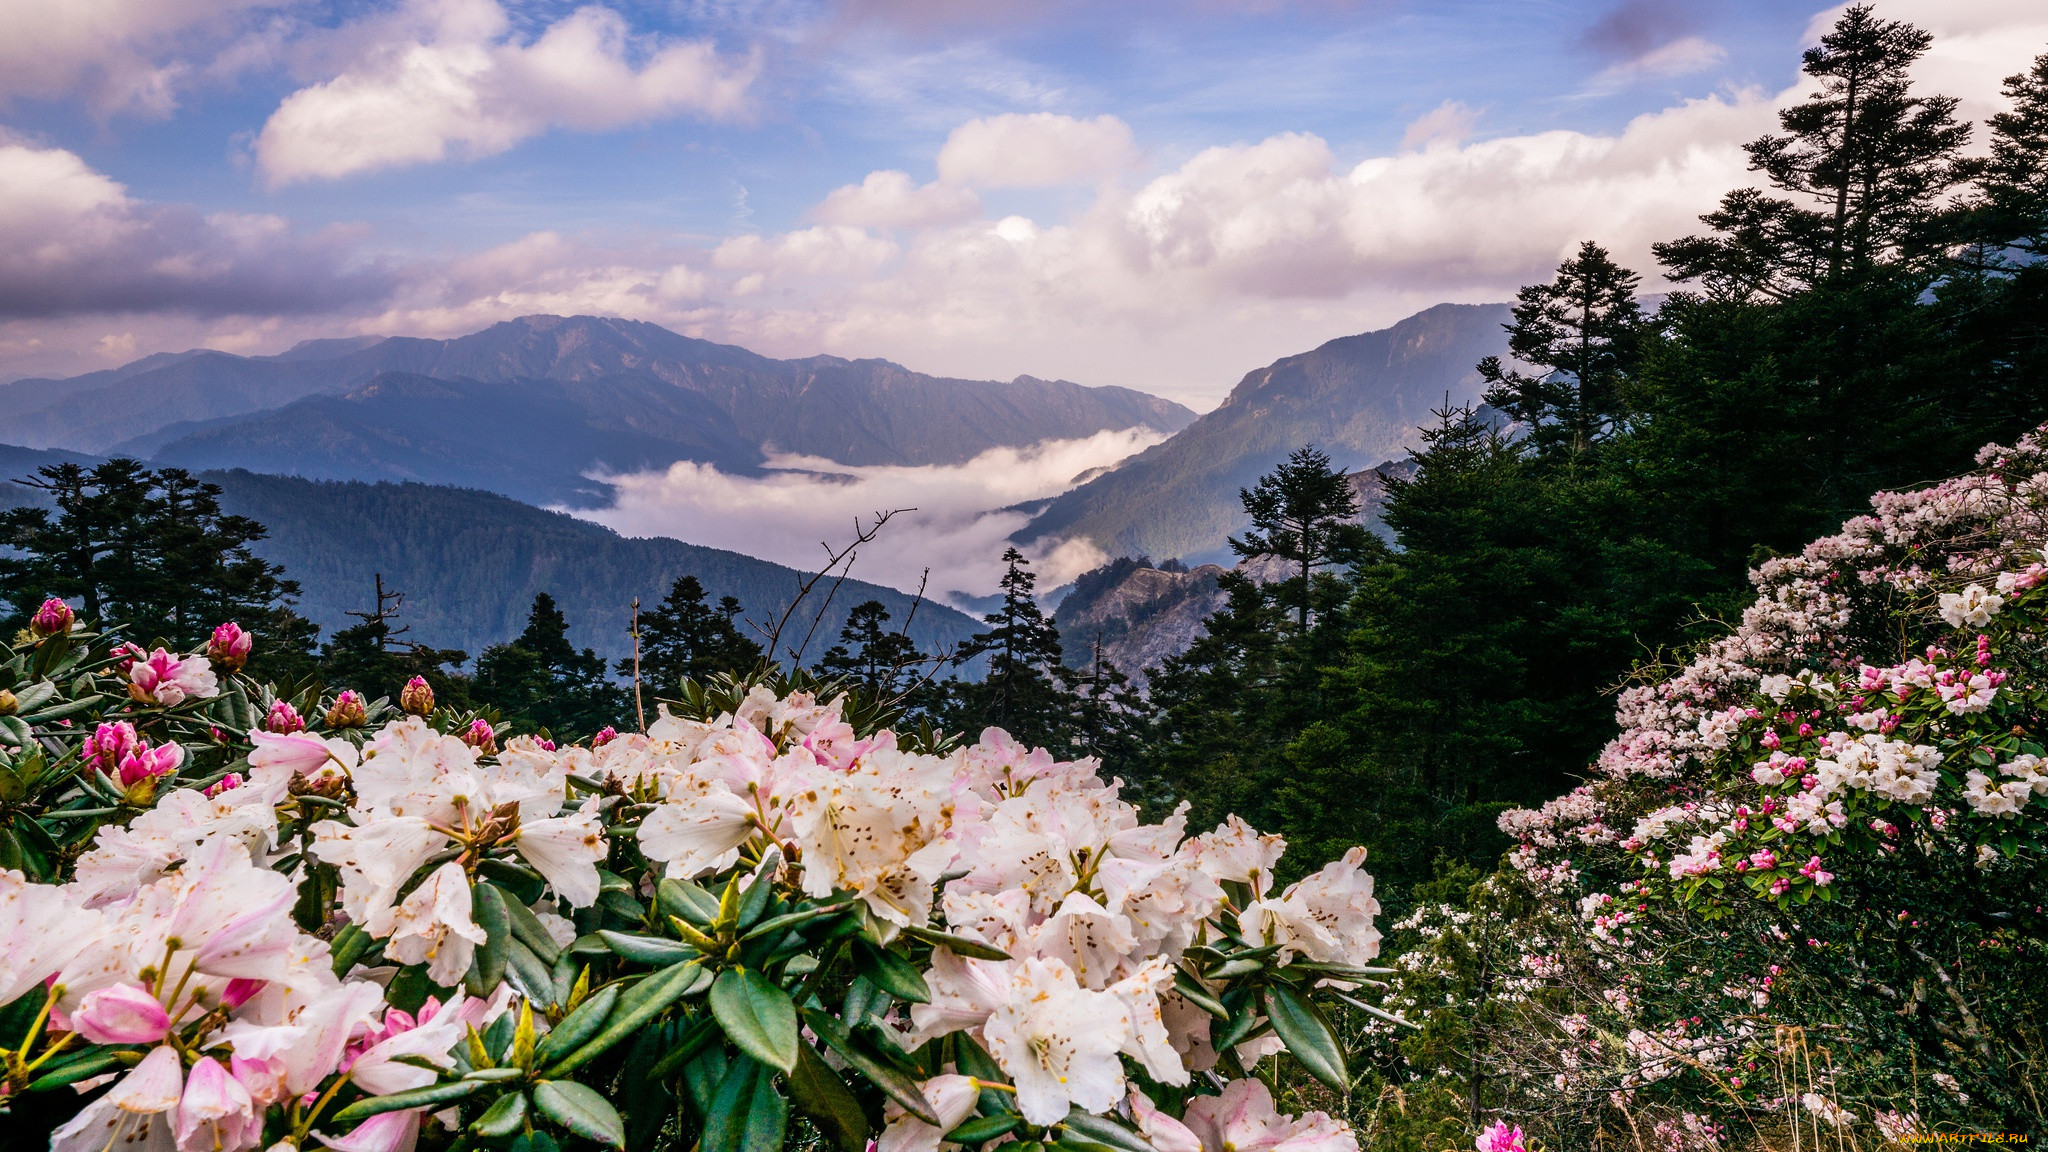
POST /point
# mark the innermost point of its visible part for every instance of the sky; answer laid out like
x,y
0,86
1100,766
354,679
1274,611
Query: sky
x,y
1157,194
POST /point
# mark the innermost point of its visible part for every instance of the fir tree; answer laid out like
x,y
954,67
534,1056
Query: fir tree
x,y
544,680
685,638
147,549
1301,513
868,654
376,659
1585,327
1023,692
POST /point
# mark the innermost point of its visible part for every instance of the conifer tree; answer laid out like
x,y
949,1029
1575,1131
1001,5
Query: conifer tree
x,y
686,638
1585,326
1023,692
543,679
376,659
1866,159
148,549
1301,513
870,655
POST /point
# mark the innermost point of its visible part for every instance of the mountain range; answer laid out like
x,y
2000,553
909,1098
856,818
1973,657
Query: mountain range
x,y
1358,398
530,406
470,562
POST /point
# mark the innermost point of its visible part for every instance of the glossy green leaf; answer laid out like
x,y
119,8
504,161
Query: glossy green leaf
x,y
432,1096
893,1082
487,964
748,1114
754,901
578,1026
528,929
958,945
84,1067
1103,1131
647,1000
790,920
653,950
890,972
1307,1036
505,1116
757,1016
532,976
687,900
820,1094
702,1034
581,1110
985,1128
1191,990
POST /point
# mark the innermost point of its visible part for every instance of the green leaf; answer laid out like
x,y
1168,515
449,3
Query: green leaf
x,y
958,945
982,1129
748,1114
757,1016
536,1142
684,899
578,1026
890,972
893,1082
581,1110
1191,990
532,976
1307,1036
819,1092
647,1000
350,945
487,965
504,1117
71,1073
1104,1131
754,901
646,949
432,1096
702,1034
528,930
790,920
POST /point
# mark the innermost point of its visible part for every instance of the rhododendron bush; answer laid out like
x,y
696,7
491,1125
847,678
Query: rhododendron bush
x,y
1804,888
231,919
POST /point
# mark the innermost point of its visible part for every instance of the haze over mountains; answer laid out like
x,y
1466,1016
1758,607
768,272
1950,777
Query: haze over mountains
x,y
1359,398
527,407
544,408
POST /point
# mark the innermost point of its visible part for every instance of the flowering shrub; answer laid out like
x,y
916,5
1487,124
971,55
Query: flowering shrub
x,y
233,920
1804,886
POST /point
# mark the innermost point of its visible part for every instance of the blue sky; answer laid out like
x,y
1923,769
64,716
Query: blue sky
x,y
1157,194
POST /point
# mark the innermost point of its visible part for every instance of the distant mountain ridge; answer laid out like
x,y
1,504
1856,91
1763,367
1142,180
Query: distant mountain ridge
x,y
205,408
1359,398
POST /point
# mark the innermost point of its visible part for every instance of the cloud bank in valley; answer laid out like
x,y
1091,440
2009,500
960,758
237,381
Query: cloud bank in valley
x,y
958,525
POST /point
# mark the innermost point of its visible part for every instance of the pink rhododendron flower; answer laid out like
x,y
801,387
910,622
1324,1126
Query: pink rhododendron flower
x,y
168,681
283,719
1501,1138
229,646
122,1014
54,618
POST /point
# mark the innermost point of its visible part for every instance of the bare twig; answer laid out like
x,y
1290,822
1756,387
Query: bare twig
x,y
834,559
639,709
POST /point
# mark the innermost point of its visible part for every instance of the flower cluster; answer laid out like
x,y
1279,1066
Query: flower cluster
x,y
356,931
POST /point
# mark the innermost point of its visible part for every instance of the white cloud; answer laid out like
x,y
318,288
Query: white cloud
x,y
958,529
1681,57
453,79
890,199
1448,123
73,241
123,55
1035,149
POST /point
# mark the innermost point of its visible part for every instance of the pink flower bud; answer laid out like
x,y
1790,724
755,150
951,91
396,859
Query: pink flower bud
x,y
54,618
145,765
417,697
480,736
348,711
216,1111
227,783
122,1014
239,991
230,646
109,744
605,735
284,718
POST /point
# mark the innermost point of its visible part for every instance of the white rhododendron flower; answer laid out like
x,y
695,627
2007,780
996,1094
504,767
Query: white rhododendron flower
x,y
432,926
1058,1042
1973,607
